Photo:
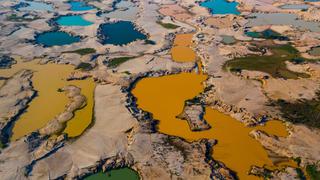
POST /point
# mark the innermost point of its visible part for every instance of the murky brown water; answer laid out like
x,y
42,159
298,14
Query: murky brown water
x,y
47,79
164,97
182,48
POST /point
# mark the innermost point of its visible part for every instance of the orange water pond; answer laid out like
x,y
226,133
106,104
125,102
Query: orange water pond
x,y
47,79
164,97
182,48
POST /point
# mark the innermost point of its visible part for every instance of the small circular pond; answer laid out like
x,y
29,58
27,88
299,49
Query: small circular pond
x,y
55,38
119,33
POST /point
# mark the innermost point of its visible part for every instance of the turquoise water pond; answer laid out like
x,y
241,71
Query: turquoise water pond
x,y
56,38
74,20
79,6
36,6
221,7
116,174
119,33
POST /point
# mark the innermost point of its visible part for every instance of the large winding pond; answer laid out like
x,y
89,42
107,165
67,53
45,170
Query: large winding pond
x,y
165,96
47,79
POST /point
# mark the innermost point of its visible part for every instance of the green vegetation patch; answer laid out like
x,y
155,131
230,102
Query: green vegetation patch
x,y
267,34
82,52
300,174
313,172
1,145
84,66
302,111
168,25
115,62
116,174
272,64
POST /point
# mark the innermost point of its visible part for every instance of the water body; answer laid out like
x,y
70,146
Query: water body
x,y
119,33
47,79
56,38
74,20
116,174
35,6
221,7
253,34
124,10
315,51
266,34
228,39
181,50
83,117
80,6
295,6
261,19
165,96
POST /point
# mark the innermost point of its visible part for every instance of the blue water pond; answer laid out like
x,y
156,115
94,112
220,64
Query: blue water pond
x,y
56,38
79,6
34,6
221,7
74,20
119,33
